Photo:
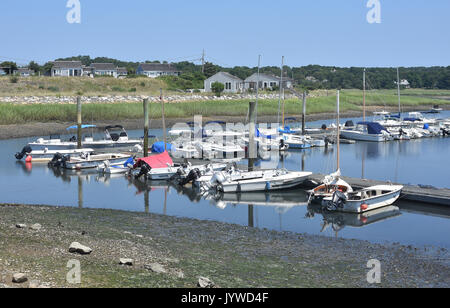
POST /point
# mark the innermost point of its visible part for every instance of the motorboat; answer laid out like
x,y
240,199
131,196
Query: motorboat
x,y
363,200
88,161
367,131
115,137
47,155
107,168
248,181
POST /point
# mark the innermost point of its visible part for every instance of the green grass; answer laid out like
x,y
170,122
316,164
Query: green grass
x,y
317,103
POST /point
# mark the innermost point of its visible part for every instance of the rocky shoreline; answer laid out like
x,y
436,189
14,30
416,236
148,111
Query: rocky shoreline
x,y
126,249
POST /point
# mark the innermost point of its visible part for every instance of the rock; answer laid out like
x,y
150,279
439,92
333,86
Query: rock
x,y
36,227
19,278
128,262
205,283
21,226
34,284
76,247
179,274
156,268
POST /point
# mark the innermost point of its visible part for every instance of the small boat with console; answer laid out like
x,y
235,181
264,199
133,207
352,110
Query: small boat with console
x,y
367,131
47,155
248,181
88,161
115,137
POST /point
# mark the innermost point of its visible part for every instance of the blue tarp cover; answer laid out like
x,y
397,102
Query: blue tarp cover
x,y
158,147
373,128
82,126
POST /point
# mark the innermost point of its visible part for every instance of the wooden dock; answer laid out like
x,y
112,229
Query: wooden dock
x,y
430,195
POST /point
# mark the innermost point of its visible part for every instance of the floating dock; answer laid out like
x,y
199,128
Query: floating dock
x,y
430,195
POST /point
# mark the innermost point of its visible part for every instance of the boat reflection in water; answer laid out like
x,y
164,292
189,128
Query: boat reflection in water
x,y
281,201
340,220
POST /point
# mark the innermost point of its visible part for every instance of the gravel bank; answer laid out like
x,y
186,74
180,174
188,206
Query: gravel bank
x,y
175,252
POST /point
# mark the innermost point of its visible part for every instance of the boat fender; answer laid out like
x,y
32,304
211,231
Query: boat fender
x,y
267,185
28,159
364,207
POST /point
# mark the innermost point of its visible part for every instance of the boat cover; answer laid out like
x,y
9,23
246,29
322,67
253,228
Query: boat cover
x,y
82,126
158,147
373,128
155,161
286,130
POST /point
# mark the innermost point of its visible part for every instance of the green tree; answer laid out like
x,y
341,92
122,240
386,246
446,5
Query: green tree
x,y
34,66
217,88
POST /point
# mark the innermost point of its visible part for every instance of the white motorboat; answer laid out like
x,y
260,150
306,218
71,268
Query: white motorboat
x,y
367,131
107,168
47,155
90,161
364,200
296,142
213,148
115,137
263,180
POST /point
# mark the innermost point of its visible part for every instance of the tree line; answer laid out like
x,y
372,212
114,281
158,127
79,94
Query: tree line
x,y
307,77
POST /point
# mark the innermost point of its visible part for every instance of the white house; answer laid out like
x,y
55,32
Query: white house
x,y
67,68
266,82
104,69
404,83
154,70
232,84
24,72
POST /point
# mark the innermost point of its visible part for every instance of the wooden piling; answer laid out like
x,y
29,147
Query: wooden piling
x,y
79,123
252,151
304,114
163,119
146,124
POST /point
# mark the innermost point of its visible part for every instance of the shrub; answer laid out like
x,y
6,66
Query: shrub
x,y
132,90
53,89
217,88
142,84
13,79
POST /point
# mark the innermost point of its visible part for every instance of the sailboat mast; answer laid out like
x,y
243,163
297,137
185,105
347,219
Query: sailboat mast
x,y
398,92
257,87
338,131
364,95
281,87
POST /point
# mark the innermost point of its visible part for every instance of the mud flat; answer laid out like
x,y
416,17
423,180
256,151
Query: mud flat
x,y
185,249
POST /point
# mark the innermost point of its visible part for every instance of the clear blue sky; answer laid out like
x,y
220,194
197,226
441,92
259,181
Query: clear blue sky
x,y
233,32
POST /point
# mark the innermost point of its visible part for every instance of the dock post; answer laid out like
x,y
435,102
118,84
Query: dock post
x,y
79,145
252,151
163,119
304,113
146,120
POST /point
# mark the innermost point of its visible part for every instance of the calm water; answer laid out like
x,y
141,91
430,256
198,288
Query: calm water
x,y
419,162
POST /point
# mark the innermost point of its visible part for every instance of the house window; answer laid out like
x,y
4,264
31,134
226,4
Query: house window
x,y
228,86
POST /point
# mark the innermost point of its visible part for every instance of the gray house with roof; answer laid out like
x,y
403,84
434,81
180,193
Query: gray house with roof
x,y
266,82
232,84
67,68
104,69
154,70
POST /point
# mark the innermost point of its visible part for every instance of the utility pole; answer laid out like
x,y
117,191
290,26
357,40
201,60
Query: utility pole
x,y
146,125
257,88
79,123
281,89
163,119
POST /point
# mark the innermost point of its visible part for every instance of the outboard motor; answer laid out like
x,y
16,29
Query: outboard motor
x,y
58,160
337,201
145,169
26,150
192,176
282,144
324,127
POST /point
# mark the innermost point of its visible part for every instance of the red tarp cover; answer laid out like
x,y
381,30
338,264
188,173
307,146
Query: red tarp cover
x,y
156,161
